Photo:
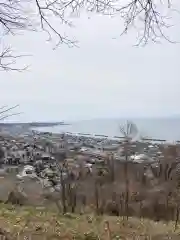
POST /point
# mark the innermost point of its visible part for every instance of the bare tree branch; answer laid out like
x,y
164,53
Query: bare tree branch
x,y
148,17
12,16
5,112
149,14
54,8
15,15
135,13
8,109
8,61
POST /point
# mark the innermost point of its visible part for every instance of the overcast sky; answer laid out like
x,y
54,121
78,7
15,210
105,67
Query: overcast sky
x,y
104,77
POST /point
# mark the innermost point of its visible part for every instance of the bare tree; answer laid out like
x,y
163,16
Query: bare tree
x,y
147,16
129,131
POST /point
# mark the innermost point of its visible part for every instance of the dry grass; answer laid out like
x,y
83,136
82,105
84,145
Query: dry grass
x,y
39,223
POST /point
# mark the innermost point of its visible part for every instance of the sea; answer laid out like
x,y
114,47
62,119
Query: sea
x,y
158,128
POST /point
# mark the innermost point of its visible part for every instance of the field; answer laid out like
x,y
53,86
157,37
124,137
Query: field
x,y
40,223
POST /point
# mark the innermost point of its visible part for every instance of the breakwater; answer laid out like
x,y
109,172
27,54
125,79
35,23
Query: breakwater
x,y
118,137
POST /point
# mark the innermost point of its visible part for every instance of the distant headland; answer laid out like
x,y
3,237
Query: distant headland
x,y
33,124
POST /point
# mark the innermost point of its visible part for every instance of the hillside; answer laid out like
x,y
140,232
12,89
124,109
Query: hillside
x,y
38,223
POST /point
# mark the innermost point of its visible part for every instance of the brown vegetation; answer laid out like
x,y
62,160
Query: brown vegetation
x,y
40,223
104,191
113,188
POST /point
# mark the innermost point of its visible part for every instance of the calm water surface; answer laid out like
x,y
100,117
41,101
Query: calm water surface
x,y
168,129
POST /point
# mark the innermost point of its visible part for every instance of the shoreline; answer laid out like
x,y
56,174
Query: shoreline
x,y
101,136
34,124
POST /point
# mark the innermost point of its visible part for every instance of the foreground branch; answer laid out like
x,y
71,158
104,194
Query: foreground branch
x,y
146,16
149,15
5,112
8,61
13,16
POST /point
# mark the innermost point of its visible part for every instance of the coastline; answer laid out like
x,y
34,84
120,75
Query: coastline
x,y
33,124
104,137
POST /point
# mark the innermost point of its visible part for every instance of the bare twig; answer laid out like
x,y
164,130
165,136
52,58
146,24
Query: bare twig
x,y
10,115
8,109
136,13
148,13
147,16
8,61
5,112
15,15
55,8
